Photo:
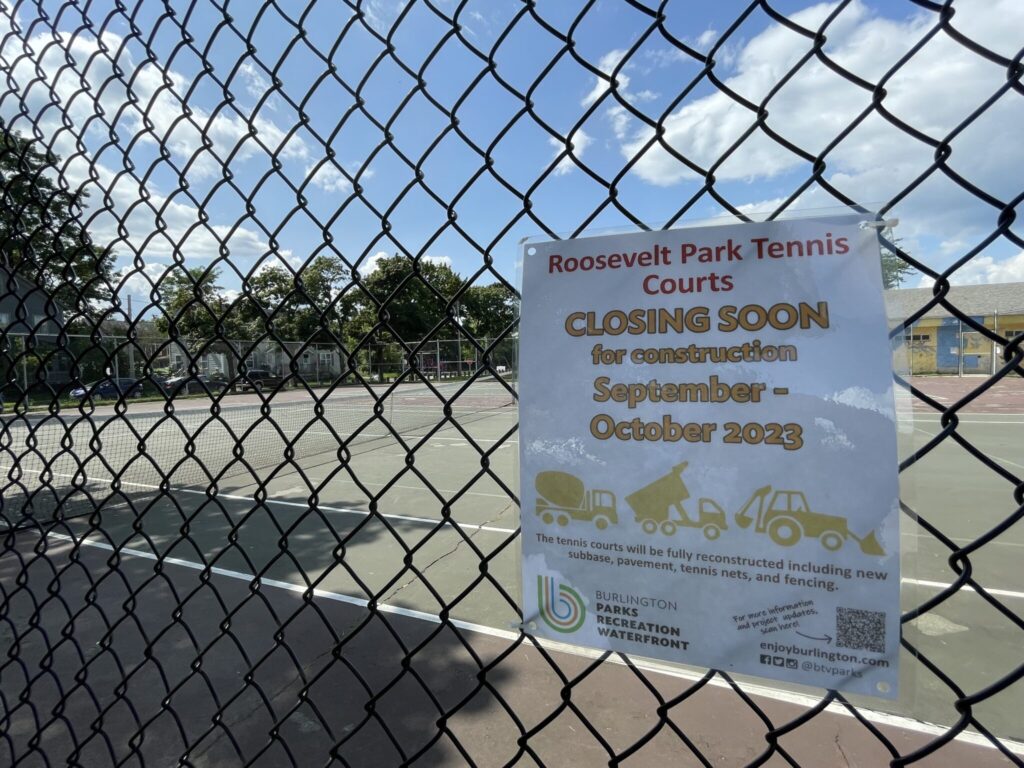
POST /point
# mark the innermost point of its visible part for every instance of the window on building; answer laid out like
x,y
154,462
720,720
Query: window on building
x,y
912,337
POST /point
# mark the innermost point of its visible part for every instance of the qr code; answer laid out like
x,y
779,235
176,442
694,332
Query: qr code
x,y
860,630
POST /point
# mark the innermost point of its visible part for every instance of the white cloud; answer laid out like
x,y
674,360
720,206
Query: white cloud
x,y
938,89
382,14
256,85
370,263
758,208
982,270
707,37
619,116
139,284
286,261
443,260
834,437
135,217
580,141
180,227
621,120
664,57
607,64
329,178
864,399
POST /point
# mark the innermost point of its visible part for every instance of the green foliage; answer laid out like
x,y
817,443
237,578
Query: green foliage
x,y
300,307
894,269
41,235
413,309
489,309
195,309
315,305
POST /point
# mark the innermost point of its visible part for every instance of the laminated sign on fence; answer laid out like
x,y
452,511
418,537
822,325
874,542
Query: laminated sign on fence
x,y
709,467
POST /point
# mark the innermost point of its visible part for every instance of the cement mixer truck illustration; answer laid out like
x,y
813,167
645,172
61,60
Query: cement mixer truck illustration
x,y
653,505
562,497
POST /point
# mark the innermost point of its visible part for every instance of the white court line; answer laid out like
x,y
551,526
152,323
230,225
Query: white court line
x,y
432,521
940,585
988,455
959,539
495,529
789,697
489,528
964,421
361,512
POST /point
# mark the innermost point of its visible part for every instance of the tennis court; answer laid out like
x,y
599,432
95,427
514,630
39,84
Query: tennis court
x,y
329,506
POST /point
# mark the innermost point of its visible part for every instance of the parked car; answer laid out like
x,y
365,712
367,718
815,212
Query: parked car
x,y
187,384
112,388
259,378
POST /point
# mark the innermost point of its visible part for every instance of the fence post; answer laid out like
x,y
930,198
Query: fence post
x,y
131,340
992,355
24,362
960,342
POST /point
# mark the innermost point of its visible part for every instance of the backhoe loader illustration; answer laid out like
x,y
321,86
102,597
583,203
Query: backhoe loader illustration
x,y
652,505
787,518
562,497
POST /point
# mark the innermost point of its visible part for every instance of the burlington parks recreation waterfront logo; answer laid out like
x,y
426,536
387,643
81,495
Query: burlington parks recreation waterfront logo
x,y
561,606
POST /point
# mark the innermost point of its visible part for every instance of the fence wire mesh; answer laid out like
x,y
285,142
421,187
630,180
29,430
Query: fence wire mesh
x,y
322,570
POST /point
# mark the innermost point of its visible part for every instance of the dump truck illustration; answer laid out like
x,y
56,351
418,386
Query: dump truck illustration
x,y
653,504
562,497
786,518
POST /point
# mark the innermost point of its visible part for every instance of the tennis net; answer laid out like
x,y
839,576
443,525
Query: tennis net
x,y
71,464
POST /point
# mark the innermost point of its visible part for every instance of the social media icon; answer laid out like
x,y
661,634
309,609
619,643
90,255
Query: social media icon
x,y
778,661
766,658
790,663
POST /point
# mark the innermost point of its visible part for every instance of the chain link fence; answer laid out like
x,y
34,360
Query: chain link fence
x,y
326,573
53,367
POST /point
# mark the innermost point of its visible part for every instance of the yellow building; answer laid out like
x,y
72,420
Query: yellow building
x,y
940,342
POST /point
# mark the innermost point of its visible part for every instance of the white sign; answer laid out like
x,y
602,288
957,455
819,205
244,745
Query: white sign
x,y
708,445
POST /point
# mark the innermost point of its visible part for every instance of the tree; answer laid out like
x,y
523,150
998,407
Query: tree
x,y
198,314
303,306
42,237
894,269
413,308
489,309
192,303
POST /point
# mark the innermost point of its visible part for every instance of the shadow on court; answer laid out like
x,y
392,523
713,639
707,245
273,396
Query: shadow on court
x,y
117,659
236,671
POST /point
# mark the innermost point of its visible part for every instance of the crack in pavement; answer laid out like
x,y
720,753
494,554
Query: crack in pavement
x,y
453,550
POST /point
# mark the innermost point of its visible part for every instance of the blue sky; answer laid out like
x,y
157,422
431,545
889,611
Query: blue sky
x,y
138,147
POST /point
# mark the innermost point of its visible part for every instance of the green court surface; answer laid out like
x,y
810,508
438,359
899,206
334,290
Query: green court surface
x,y
365,524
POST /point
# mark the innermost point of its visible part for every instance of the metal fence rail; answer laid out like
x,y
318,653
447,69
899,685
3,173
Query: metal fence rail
x,y
245,170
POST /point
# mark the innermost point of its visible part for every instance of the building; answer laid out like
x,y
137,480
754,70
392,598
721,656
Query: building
x,y
940,343
26,308
31,321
